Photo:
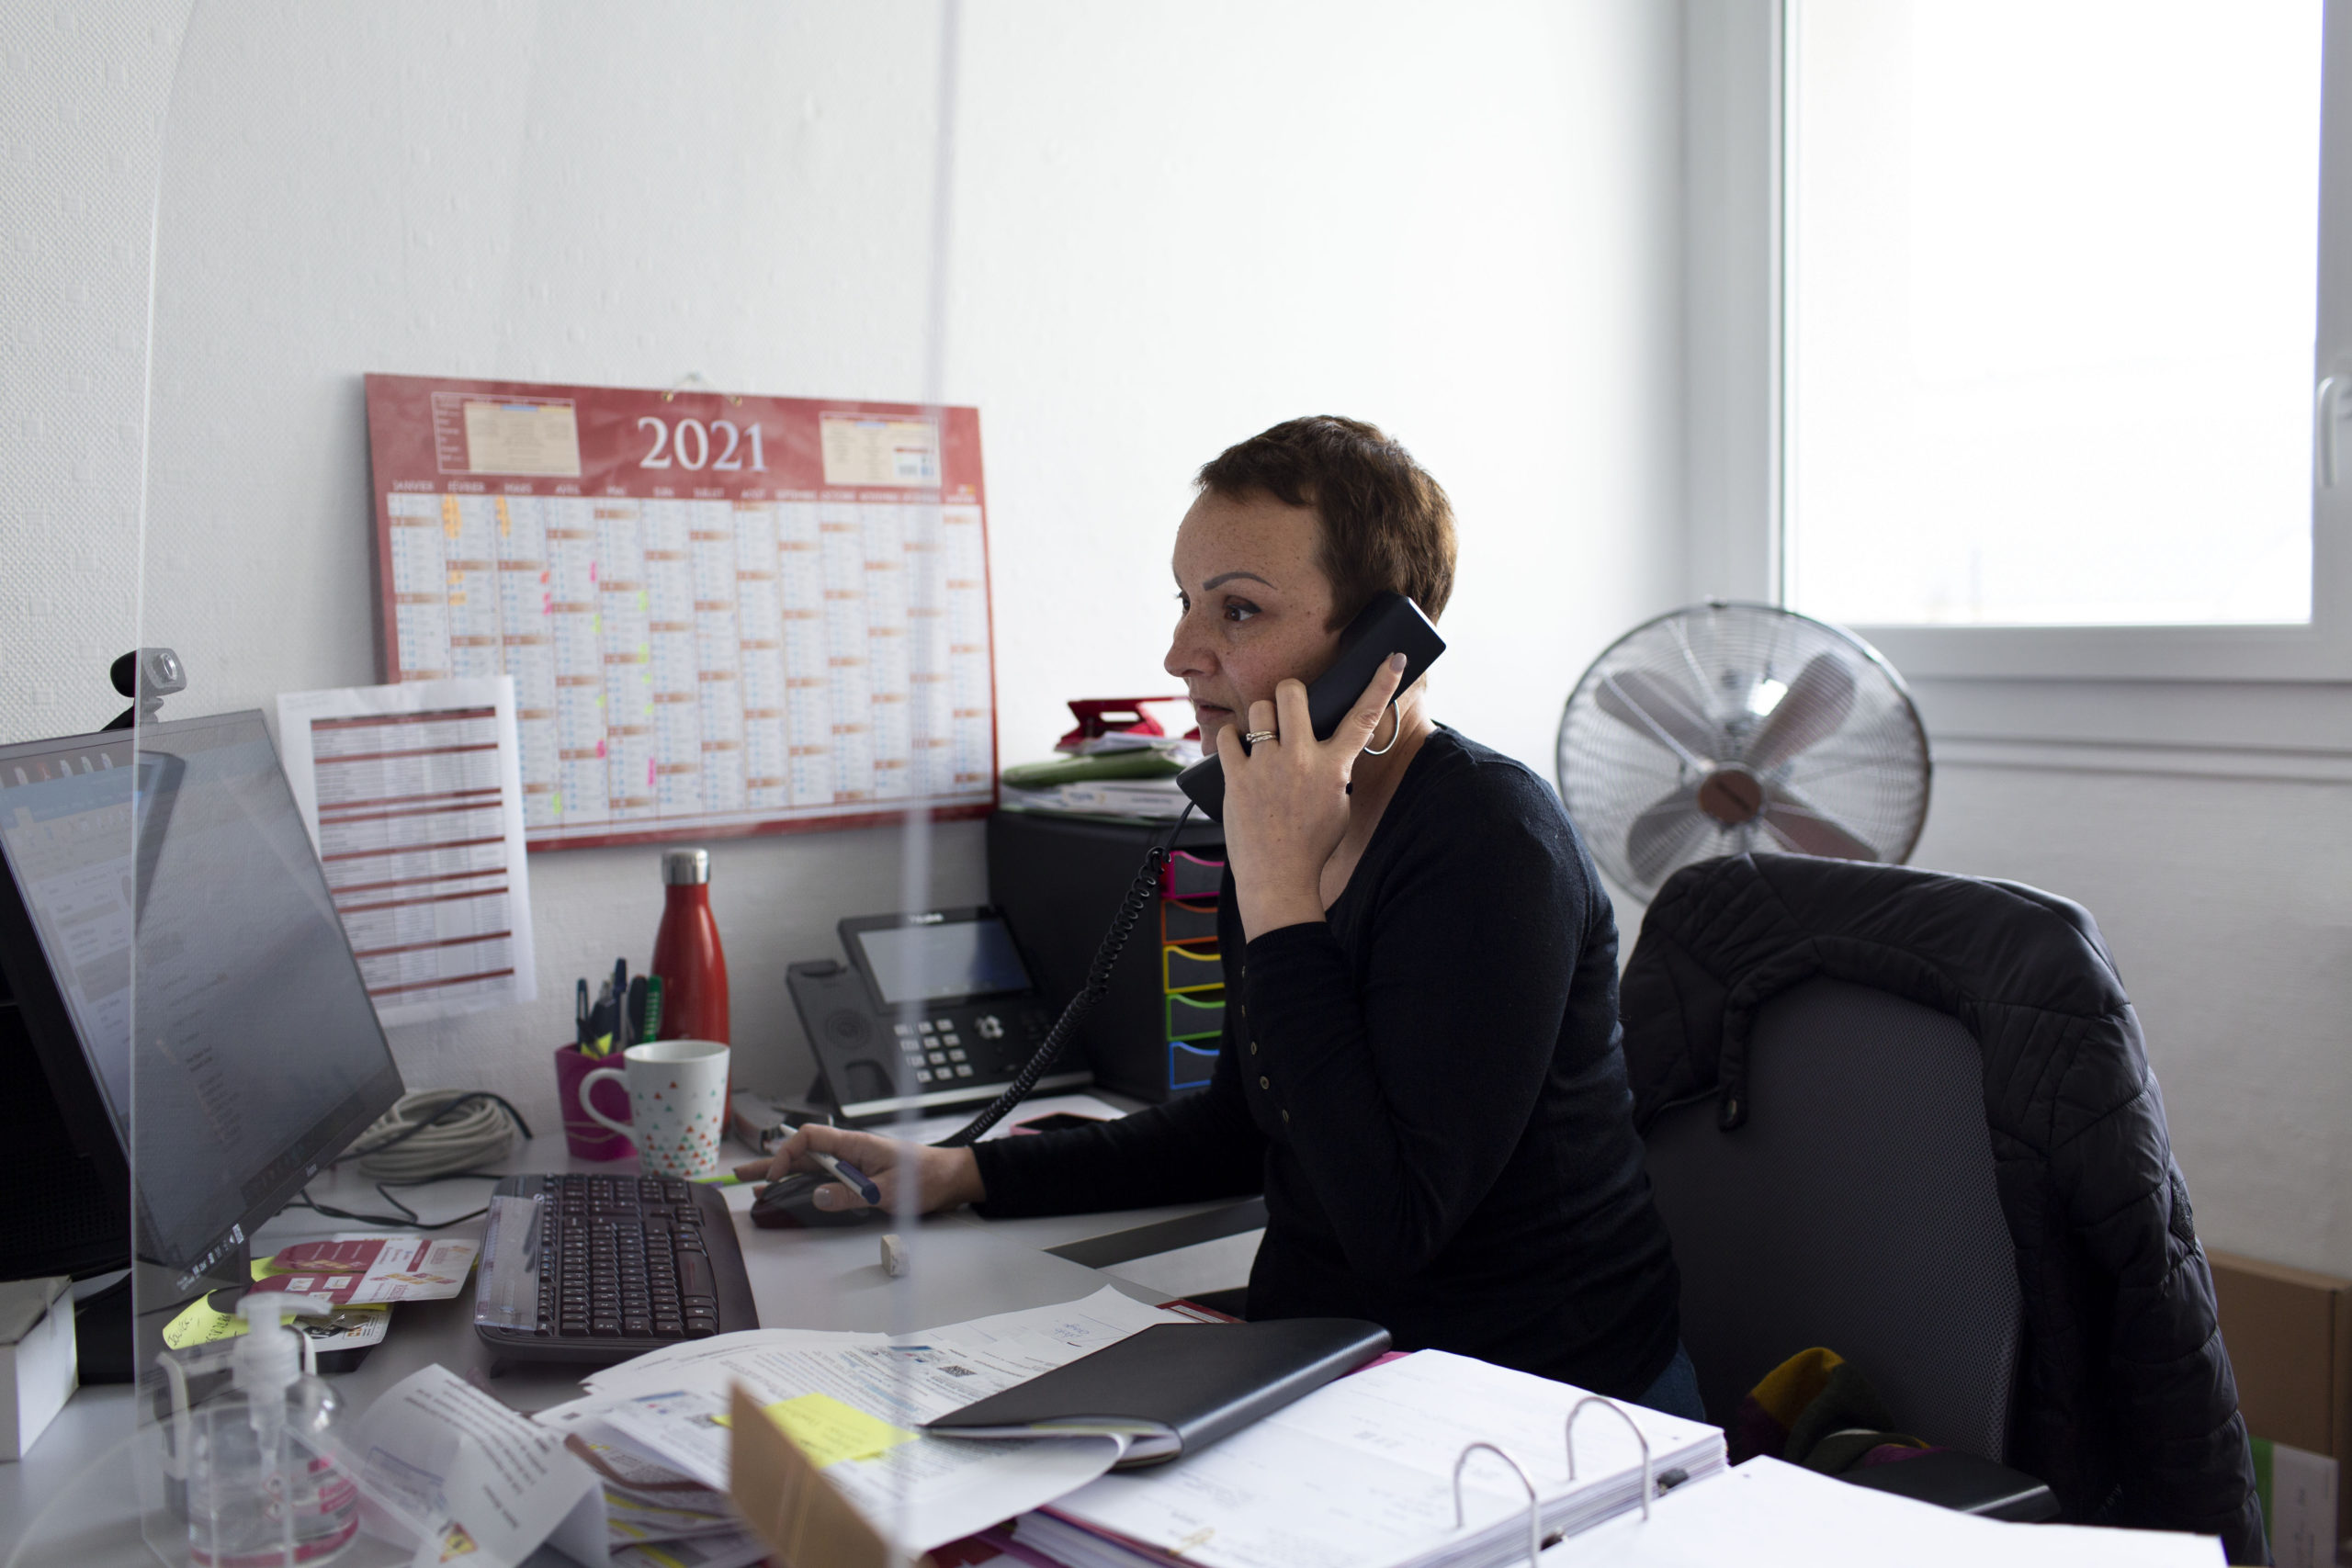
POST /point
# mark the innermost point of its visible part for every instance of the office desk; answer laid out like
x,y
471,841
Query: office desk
x,y
963,1266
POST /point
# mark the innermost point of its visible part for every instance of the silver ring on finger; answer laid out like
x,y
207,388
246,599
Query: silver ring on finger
x,y
1255,736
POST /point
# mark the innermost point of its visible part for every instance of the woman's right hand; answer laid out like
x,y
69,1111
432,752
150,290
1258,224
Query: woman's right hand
x,y
943,1178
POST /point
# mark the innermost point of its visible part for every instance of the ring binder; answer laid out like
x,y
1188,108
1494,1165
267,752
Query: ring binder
x,y
1534,1518
1570,1434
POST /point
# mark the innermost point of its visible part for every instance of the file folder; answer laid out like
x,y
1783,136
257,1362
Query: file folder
x,y
1196,1015
1192,968
1181,922
1188,875
1175,1388
1189,1066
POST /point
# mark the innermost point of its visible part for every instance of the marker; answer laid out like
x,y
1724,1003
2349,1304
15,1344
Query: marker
x,y
849,1175
724,1179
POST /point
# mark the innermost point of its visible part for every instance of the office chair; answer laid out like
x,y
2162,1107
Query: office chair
x,y
1909,1117
1856,1209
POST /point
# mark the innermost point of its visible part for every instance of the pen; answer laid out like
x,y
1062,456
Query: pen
x,y
580,1015
600,1024
849,1175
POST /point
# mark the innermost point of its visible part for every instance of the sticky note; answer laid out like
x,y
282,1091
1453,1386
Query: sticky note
x,y
829,1431
199,1324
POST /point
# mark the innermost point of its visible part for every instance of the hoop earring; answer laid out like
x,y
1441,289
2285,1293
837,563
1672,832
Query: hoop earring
x,y
1393,734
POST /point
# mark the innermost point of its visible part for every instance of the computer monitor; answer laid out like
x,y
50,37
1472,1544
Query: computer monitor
x,y
258,1054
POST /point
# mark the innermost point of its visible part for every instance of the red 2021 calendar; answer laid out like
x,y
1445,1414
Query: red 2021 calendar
x,y
723,614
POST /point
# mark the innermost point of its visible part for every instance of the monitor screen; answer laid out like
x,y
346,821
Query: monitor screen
x,y
258,1054
953,958
65,829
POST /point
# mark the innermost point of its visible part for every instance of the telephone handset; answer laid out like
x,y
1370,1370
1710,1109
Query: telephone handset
x,y
1390,623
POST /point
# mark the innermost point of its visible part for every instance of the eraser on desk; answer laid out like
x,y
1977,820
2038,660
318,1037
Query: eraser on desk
x,y
894,1257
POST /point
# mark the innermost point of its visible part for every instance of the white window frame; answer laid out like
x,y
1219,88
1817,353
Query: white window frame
x,y
1734,62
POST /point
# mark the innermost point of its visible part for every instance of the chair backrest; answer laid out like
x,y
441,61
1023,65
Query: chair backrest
x,y
1854,1209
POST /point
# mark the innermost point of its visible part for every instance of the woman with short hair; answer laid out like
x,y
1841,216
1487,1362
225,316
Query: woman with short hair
x,y
1420,1065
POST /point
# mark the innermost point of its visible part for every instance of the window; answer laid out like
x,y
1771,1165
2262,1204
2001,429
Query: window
x,y
2016,360
2051,290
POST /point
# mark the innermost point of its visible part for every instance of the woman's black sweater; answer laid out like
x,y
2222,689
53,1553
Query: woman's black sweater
x,y
1429,1090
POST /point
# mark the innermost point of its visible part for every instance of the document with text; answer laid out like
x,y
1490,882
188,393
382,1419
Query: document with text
x,y
414,798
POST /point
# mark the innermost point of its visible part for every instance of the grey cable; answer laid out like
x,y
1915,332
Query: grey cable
x,y
414,1140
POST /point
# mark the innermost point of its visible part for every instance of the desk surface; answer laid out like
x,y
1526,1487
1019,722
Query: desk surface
x,y
71,1502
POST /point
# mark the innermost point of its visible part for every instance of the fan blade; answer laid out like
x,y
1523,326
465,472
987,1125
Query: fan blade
x,y
1808,831
1658,708
1810,711
1661,833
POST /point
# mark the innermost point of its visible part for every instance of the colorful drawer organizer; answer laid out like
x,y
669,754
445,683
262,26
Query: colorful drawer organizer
x,y
1192,976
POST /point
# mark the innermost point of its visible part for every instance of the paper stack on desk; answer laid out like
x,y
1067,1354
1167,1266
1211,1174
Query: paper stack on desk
x,y
851,1402
1359,1474
449,1472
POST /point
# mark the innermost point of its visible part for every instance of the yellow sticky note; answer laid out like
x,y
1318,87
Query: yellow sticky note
x,y
199,1324
829,1431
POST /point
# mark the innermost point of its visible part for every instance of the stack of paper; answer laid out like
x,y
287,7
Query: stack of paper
x,y
1770,1515
662,1517
1360,1474
447,1469
851,1402
1153,799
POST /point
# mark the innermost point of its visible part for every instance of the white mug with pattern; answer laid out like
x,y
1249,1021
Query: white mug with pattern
x,y
677,1097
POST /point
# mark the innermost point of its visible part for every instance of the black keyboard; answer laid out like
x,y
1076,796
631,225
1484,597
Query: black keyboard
x,y
580,1268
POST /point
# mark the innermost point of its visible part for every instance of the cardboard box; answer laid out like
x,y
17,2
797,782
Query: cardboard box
x,y
2289,1338
38,1370
2299,1504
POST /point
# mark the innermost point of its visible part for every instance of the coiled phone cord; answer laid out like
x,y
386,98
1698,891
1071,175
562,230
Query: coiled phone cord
x,y
1097,987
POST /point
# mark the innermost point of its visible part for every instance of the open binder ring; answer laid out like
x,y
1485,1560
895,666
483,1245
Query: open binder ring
x,y
1638,1436
1534,1521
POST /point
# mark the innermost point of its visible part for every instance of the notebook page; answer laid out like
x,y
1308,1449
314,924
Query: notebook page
x,y
1358,1473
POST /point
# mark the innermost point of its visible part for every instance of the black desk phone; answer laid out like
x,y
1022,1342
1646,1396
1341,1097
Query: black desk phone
x,y
933,1009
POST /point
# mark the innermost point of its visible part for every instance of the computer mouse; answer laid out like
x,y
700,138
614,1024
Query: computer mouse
x,y
791,1204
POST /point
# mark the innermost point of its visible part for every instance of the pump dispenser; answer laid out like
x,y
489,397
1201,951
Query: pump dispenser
x,y
265,1489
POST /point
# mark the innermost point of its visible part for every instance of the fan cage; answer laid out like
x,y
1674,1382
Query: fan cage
x,y
1734,662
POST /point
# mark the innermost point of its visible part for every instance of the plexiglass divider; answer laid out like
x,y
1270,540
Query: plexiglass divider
x,y
551,468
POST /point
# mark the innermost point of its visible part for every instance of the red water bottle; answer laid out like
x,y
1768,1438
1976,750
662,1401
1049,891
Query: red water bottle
x,y
686,953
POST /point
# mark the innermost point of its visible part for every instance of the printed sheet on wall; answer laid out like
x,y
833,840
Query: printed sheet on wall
x,y
722,615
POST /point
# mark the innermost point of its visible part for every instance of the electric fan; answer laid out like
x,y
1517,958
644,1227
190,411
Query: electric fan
x,y
1720,728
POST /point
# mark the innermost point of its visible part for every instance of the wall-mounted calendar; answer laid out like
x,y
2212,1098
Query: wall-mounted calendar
x,y
723,614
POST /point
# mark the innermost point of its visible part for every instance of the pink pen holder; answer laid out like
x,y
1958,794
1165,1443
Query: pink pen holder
x,y
585,1138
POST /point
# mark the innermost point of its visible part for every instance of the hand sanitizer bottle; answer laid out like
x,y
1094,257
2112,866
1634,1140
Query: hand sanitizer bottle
x,y
264,1488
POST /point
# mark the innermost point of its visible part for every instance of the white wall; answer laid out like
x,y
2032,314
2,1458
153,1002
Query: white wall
x,y
82,98
1173,225
2203,826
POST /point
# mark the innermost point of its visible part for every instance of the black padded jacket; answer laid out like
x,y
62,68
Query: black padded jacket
x,y
2126,1404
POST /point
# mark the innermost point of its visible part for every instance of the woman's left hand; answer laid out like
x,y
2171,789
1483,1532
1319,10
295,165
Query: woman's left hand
x,y
1286,799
